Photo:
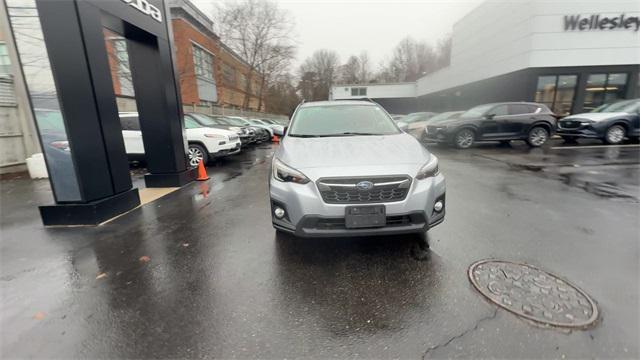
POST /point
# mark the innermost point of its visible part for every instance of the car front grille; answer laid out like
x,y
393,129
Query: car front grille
x,y
569,124
346,190
433,129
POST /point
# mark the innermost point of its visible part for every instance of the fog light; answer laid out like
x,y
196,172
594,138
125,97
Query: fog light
x,y
438,206
278,212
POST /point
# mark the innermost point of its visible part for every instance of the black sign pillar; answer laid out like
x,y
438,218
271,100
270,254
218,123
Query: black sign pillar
x,y
73,33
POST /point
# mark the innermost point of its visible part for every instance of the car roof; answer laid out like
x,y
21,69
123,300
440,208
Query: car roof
x,y
338,102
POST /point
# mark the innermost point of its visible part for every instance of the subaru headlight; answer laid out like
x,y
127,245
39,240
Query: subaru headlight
x,y
430,169
586,122
284,173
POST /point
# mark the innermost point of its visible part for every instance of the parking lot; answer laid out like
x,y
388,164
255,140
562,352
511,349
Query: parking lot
x,y
201,273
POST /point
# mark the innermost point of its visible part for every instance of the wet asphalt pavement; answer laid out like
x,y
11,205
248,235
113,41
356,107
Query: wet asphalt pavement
x,y
200,273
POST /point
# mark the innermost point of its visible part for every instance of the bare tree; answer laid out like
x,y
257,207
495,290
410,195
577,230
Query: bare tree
x,y
318,73
281,95
259,31
364,73
276,64
356,70
349,72
444,52
413,59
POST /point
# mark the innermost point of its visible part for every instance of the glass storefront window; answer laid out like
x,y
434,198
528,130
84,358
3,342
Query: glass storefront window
x,y
27,31
616,88
604,88
557,92
546,90
118,54
565,94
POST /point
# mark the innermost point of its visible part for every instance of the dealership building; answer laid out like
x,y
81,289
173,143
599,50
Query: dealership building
x,y
572,56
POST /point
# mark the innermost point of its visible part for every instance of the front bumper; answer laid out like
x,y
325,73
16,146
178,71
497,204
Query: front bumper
x,y
307,215
230,148
582,132
439,136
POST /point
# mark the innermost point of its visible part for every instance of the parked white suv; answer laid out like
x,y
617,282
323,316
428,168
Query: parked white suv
x,y
205,143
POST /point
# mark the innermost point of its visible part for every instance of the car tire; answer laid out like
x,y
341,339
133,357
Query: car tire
x,y
197,153
538,136
615,134
464,138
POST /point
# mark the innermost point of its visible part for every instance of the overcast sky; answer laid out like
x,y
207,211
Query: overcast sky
x,y
350,27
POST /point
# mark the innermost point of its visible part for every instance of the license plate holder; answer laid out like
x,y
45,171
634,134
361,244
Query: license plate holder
x,y
357,217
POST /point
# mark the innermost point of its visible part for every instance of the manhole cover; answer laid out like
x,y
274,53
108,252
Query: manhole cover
x,y
533,294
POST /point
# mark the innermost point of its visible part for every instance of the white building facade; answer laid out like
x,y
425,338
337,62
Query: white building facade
x,y
570,55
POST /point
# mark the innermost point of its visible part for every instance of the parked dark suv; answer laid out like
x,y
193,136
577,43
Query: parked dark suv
x,y
531,122
610,122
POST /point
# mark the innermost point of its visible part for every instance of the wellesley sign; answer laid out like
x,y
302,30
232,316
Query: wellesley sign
x,y
601,22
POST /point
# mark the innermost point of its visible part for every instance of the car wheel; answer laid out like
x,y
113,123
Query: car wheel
x,y
537,136
196,154
614,135
464,138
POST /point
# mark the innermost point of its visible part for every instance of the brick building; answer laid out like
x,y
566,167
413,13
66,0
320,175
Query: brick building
x,y
210,72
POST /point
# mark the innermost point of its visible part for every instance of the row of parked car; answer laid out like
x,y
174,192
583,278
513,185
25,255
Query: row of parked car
x,y
532,122
209,137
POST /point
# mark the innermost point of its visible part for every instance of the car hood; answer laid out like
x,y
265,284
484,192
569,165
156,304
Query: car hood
x,y
595,116
354,155
225,127
210,130
441,122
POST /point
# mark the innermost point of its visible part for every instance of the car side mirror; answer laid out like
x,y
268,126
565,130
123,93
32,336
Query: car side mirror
x,y
489,116
403,125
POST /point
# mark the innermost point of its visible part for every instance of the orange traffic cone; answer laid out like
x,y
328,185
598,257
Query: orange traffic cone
x,y
275,139
202,172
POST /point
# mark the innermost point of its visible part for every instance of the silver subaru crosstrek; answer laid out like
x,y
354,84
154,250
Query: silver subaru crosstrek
x,y
345,168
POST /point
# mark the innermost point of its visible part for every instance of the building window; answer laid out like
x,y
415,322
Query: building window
x,y
557,92
229,74
359,91
203,63
604,88
5,62
123,68
243,81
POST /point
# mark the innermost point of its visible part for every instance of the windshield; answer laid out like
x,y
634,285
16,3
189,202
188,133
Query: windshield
x,y
50,120
234,121
629,106
205,120
477,111
342,120
415,117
